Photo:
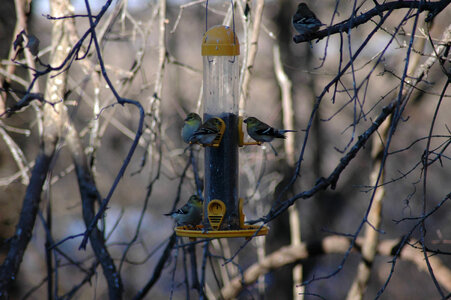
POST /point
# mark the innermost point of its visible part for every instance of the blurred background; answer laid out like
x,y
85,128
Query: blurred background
x,y
130,35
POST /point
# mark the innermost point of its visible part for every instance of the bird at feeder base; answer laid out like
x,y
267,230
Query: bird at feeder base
x,y
189,214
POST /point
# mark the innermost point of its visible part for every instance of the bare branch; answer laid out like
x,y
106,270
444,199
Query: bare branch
x,y
332,179
158,268
329,245
433,7
24,230
252,47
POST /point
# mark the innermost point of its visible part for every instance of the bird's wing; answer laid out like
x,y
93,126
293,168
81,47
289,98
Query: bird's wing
x,y
206,130
183,210
270,131
308,21
266,130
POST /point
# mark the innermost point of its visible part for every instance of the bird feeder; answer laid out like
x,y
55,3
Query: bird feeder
x,y
223,209
220,48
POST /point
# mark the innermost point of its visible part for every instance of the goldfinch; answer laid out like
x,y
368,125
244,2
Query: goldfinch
x,y
207,132
191,125
305,21
189,214
262,132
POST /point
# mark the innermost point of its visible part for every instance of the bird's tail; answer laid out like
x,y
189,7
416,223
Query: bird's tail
x,y
282,131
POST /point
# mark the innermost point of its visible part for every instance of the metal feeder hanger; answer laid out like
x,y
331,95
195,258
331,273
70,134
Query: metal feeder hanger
x,y
223,215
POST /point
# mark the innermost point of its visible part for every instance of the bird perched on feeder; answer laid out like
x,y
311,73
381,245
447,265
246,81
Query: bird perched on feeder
x,y
192,124
189,214
207,132
262,132
305,21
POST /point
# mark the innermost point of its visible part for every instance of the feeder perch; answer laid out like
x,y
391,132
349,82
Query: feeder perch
x,y
216,211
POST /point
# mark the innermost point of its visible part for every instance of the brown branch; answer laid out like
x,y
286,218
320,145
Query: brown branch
x,y
324,183
24,229
89,196
57,125
89,193
288,123
158,268
332,179
329,245
433,7
88,189
26,101
54,119
120,100
371,238
442,272
22,7
251,53
17,154
181,8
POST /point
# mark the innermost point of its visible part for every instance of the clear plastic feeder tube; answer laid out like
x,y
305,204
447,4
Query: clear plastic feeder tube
x,y
220,50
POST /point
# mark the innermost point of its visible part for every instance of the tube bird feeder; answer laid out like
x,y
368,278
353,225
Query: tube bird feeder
x,y
223,209
220,48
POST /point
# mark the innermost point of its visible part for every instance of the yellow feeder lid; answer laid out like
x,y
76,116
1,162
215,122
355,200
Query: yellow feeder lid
x,y
220,40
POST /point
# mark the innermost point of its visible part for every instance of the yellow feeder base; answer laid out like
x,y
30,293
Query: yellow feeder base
x,y
247,232
216,210
241,141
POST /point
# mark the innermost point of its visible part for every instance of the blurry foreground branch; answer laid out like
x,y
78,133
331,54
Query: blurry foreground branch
x,y
288,123
55,117
329,245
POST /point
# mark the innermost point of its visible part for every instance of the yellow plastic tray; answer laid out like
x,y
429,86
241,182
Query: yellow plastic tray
x,y
246,231
217,208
